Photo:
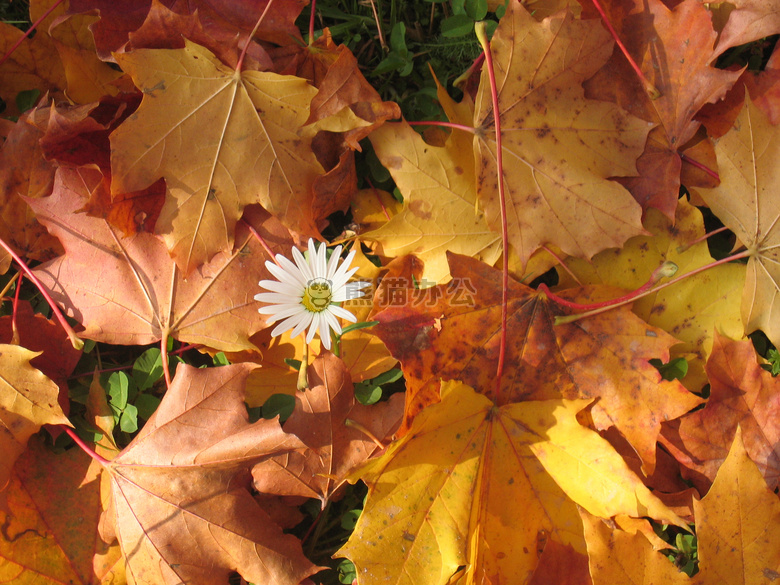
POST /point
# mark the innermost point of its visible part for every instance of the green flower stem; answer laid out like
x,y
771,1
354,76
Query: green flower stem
x,y
303,380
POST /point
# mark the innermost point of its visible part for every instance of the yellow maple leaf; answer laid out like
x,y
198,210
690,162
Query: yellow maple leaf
x,y
738,523
88,78
559,149
221,139
746,202
40,541
439,212
33,65
626,557
472,484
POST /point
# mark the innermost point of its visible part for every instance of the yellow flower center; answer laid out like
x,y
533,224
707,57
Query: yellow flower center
x,y
317,295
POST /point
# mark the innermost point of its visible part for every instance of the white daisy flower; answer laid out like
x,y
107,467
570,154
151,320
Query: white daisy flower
x,y
305,294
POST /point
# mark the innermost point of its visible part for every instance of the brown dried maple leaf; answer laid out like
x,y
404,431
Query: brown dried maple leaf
x,y
334,71
181,506
336,446
219,17
747,20
166,28
79,135
764,89
24,173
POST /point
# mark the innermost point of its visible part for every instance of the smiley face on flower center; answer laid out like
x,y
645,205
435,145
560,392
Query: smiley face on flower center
x,y
317,295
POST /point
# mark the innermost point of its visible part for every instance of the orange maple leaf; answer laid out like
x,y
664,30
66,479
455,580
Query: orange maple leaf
x,y
736,525
674,49
222,140
742,394
452,332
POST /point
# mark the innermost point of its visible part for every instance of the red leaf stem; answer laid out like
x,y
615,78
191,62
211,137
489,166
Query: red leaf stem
x,y
483,40
651,90
74,339
240,63
29,31
84,447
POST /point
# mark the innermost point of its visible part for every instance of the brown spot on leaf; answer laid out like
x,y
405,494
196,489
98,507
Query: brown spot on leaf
x,y
421,209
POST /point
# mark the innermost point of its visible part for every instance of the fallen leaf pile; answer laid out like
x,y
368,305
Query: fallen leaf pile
x,y
176,147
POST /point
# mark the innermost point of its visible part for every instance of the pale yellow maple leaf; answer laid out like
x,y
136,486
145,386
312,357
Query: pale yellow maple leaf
x,y
746,202
690,310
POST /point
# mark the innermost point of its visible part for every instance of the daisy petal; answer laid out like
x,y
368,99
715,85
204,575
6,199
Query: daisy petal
x,y
343,275
314,327
333,263
331,321
281,287
297,322
280,311
317,259
286,272
284,325
275,298
302,265
324,331
304,321
343,313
